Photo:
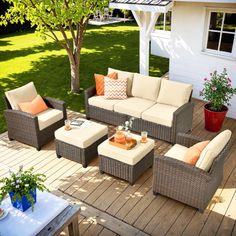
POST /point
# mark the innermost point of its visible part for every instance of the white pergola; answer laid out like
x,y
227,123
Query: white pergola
x,y
146,13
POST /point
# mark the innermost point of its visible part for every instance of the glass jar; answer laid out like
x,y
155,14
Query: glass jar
x,y
119,136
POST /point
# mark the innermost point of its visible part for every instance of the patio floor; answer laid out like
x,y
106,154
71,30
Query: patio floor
x,y
111,206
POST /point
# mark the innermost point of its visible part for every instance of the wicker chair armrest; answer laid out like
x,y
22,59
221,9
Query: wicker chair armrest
x,y
89,92
187,140
16,117
54,103
173,165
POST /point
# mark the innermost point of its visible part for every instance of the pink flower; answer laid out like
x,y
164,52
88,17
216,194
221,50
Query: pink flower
x,y
205,79
213,88
229,79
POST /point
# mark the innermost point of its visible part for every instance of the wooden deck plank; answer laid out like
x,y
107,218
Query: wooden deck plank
x,y
107,232
93,230
227,224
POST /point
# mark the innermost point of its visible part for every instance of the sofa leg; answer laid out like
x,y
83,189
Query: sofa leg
x,y
38,148
84,165
102,172
10,139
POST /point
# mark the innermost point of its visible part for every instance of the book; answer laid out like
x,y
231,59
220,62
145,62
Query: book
x,y
77,122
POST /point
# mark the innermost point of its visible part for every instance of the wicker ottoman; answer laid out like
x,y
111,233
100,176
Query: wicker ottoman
x,y
80,143
126,164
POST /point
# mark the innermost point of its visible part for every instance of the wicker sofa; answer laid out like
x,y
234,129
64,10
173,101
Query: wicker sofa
x,y
192,185
161,107
34,130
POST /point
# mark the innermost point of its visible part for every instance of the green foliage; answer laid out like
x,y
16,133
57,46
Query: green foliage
x,y
218,90
21,183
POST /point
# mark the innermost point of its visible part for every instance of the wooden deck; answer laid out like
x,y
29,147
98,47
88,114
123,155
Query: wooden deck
x,y
111,206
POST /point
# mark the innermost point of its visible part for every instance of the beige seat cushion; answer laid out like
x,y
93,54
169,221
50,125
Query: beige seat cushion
x,y
124,75
82,136
25,93
49,117
174,93
213,149
130,157
177,152
100,101
160,113
133,106
146,86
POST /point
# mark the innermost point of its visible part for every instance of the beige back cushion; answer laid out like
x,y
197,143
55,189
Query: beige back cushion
x,y
174,93
25,93
212,150
124,75
146,86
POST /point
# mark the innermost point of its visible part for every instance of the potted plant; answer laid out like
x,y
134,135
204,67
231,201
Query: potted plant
x,y
22,187
217,91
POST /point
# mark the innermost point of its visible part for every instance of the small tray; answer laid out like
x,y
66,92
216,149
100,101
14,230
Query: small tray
x,y
126,146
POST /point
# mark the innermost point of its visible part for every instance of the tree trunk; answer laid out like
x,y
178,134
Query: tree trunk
x,y
75,82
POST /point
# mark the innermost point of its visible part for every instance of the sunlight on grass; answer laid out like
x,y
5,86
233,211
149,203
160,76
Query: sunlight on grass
x,y
25,57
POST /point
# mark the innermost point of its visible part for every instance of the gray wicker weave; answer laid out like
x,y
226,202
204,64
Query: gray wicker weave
x,y
186,183
124,171
24,127
77,154
182,119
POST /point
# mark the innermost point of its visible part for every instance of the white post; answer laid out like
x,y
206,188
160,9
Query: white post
x,y
146,22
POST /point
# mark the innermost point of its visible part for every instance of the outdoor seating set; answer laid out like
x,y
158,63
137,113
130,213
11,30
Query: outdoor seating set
x,y
189,172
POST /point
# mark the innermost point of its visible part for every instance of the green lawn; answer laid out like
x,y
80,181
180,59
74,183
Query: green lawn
x,y
25,57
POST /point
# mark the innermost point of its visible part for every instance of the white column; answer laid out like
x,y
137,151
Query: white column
x,y
146,22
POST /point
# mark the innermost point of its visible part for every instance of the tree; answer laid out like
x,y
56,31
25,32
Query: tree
x,y
69,17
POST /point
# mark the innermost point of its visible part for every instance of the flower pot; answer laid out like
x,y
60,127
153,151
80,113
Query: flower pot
x,y
214,119
22,204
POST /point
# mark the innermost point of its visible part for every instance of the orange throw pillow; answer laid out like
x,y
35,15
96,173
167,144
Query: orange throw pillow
x,y
36,106
99,81
192,155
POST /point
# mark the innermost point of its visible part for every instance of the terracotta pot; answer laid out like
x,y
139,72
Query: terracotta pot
x,y
214,119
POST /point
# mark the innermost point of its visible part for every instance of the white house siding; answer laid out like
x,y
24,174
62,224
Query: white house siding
x,y
187,61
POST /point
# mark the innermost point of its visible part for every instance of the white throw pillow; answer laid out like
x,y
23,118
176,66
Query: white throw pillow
x,y
146,86
213,149
124,75
174,93
25,93
115,89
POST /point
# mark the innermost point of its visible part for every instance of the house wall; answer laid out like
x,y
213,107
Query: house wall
x,y
188,62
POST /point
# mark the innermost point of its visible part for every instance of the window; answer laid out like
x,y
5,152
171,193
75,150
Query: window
x,y
221,32
164,21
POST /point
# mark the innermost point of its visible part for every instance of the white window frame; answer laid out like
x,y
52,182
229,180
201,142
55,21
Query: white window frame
x,y
164,22
232,54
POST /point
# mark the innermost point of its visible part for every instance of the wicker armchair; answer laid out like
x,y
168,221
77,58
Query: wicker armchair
x,y
186,183
24,127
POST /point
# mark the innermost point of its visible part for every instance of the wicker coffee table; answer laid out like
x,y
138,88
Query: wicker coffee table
x,y
80,143
126,164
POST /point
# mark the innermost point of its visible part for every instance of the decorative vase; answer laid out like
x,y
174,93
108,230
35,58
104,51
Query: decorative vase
x,y
120,136
22,204
214,119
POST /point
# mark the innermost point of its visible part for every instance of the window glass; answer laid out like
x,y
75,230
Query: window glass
x,y
230,22
216,21
227,42
213,40
164,21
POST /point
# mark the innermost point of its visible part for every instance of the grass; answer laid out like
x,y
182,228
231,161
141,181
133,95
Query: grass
x,y
25,57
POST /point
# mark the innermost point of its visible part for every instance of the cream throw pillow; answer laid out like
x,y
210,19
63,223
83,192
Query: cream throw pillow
x,y
124,75
25,93
146,86
174,93
213,149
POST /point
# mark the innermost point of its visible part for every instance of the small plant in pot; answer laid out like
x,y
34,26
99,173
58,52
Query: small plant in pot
x,y
22,187
217,91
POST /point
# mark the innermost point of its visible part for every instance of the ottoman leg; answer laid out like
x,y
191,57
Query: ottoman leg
x,y
102,172
84,165
58,156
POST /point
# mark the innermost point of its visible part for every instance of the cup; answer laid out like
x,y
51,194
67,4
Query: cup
x,y
67,124
128,137
144,136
